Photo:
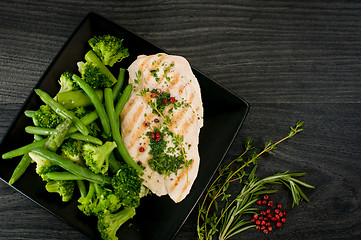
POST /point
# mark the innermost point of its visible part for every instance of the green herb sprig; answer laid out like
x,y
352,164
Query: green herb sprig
x,y
228,220
158,108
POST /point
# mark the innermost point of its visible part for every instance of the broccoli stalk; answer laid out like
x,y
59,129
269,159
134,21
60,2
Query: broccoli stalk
x,y
96,157
63,187
109,223
109,49
87,202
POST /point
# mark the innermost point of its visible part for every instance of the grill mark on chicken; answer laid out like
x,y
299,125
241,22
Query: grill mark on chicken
x,y
142,129
172,83
179,81
178,116
155,65
143,66
177,121
138,131
186,124
182,112
181,175
126,109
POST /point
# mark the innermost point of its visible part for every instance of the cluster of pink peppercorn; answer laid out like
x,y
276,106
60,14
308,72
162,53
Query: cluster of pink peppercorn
x,y
266,217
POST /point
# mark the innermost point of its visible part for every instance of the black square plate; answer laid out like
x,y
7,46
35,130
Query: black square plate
x,y
157,217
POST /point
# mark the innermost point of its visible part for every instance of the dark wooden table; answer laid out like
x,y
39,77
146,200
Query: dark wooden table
x,y
291,60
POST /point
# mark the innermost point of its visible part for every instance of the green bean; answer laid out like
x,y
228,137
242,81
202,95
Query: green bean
x,y
78,98
72,167
123,99
20,169
118,86
62,111
91,139
93,58
29,113
58,136
39,130
24,149
108,96
77,136
81,187
58,176
87,119
37,137
114,164
96,102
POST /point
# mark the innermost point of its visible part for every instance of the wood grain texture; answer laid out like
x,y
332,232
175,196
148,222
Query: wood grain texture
x,y
291,60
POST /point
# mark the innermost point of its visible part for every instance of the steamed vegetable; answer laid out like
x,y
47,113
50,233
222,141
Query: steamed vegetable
x,y
96,157
64,188
76,136
109,49
67,83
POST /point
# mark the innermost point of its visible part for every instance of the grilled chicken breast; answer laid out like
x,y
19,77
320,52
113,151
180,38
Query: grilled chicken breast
x,y
177,120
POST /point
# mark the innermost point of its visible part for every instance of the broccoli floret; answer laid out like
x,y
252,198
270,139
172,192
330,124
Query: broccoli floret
x,y
94,129
88,202
43,166
80,111
127,185
63,187
67,83
109,49
107,200
109,223
71,149
98,200
92,75
96,157
45,117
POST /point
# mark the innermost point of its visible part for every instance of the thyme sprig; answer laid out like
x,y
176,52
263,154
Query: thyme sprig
x,y
228,221
168,122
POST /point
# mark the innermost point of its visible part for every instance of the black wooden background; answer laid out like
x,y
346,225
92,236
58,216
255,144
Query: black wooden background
x,y
291,60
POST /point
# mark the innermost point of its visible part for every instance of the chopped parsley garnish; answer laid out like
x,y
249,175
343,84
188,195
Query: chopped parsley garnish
x,y
161,100
165,160
154,73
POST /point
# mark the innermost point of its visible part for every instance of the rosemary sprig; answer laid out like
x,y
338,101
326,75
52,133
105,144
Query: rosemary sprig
x,y
228,221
